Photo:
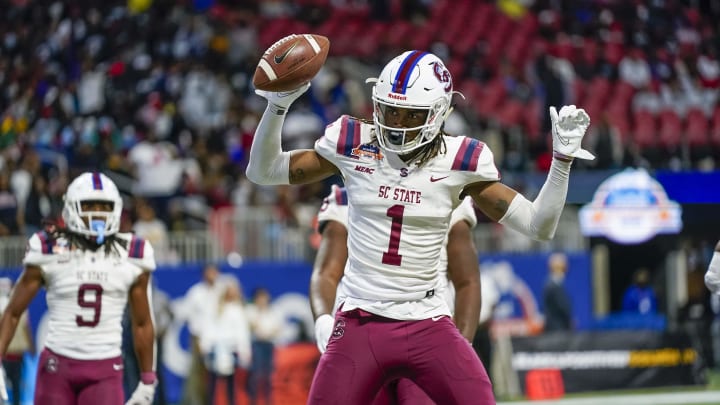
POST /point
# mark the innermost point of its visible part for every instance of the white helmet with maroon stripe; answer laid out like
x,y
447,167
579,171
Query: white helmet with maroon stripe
x,y
92,187
414,80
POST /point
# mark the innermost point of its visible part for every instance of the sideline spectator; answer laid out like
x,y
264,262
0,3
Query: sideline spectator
x,y
558,311
225,343
640,297
201,302
265,324
21,343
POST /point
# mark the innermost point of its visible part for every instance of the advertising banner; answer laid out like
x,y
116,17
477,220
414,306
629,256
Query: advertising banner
x,y
593,361
630,208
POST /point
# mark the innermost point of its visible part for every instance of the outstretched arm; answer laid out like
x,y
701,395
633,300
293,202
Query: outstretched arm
x,y
269,164
464,272
539,219
25,289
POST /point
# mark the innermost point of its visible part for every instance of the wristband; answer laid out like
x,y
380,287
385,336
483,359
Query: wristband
x,y
276,109
148,377
563,158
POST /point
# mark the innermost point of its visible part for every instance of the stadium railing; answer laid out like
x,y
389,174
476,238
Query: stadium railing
x,y
255,233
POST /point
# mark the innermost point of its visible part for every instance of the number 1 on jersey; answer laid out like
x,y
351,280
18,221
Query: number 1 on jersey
x,y
392,257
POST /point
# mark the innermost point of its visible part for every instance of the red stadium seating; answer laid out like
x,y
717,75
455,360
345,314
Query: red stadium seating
x,y
644,131
697,128
715,128
492,95
671,129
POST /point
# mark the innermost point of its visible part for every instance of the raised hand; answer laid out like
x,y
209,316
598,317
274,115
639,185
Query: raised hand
x,y
568,129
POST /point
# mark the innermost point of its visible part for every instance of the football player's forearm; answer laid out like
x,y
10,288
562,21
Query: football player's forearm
x,y
144,338
8,324
322,295
268,164
539,219
467,309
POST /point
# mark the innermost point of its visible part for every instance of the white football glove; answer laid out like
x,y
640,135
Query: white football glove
x,y
712,277
323,331
568,129
3,386
144,394
283,99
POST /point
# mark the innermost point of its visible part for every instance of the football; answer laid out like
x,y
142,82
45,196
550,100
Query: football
x,y
291,62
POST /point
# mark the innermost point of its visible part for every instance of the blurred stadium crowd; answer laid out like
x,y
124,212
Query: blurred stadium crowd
x,y
157,93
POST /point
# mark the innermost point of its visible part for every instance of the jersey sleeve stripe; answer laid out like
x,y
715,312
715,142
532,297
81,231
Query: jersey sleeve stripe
x,y
341,196
468,155
137,248
349,136
402,77
46,242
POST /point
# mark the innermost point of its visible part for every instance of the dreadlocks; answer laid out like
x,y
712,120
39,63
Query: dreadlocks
x,y
79,241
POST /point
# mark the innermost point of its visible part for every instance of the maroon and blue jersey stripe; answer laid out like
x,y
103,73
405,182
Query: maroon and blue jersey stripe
x,y
46,241
468,154
341,196
349,136
137,248
402,77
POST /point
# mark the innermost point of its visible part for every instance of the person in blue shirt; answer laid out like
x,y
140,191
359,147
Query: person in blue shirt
x,y
640,297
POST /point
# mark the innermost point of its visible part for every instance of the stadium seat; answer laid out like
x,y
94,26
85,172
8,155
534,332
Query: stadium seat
x,y
533,120
697,128
715,129
493,93
671,130
619,119
644,131
510,113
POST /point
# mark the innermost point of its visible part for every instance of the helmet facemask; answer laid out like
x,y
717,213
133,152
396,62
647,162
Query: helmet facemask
x,y
402,140
413,81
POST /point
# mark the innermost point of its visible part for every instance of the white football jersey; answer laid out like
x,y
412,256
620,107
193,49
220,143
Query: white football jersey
x,y
335,208
87,292
399,214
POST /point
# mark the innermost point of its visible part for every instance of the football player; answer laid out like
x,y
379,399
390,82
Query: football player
x,y
91,271
463,294
404,177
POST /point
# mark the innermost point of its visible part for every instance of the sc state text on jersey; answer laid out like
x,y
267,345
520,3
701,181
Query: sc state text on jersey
x,y
400,194
91,275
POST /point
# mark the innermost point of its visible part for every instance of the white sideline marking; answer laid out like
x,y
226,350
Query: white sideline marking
x,y
675,398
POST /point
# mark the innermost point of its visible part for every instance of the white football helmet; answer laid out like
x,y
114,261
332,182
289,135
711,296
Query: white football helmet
x,y
92,187
414,80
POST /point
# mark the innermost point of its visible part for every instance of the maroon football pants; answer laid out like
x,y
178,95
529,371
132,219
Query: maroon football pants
x,y
367,351
65,381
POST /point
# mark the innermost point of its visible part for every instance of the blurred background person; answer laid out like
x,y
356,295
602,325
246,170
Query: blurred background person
x,y
482,342
163,317
201,303
20,345
639,297
558,312
265,324
225,343
149,227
